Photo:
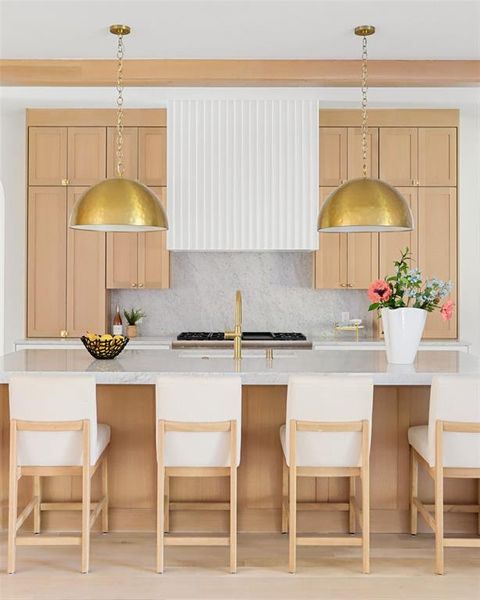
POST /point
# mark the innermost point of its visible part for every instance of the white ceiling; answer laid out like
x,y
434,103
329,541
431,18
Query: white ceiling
x,y
270,29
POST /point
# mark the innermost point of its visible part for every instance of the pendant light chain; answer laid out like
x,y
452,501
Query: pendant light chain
x,y
364,105
120,165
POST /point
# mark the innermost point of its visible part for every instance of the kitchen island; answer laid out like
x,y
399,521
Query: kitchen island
x,y
126,401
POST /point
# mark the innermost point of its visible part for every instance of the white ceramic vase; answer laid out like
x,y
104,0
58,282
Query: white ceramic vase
x,y
403,329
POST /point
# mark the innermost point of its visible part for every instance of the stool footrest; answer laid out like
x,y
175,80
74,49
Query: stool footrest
x,y
323,506
329,541
199,506
48,541
461,542
196,541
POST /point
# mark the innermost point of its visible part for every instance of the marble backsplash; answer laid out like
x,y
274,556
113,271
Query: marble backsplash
x,y
276,288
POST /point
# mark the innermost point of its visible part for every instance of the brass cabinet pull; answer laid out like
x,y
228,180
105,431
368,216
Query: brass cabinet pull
x,y
343,285
65,182
134,285
63,333
140,285
349,285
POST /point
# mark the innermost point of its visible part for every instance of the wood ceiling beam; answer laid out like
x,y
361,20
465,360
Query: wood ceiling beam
x,y
194,73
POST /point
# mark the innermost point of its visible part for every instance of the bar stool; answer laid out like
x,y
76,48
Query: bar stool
x,y
446,447
327,434
198,435
54,432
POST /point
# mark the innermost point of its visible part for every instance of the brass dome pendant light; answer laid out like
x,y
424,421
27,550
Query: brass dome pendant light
x,y
119,204
365,204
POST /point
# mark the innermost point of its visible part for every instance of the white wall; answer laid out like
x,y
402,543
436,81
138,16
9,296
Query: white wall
x,y
14,101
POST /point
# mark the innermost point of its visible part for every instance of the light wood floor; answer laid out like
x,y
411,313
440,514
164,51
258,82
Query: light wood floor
x,y
122,568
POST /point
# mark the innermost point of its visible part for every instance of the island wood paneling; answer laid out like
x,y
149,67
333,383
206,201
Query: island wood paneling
x,y
129,410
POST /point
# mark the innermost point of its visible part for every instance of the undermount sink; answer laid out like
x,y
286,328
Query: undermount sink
x,y
246,354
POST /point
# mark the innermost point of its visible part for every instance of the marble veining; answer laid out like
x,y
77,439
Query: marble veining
x,y
137,367
277,290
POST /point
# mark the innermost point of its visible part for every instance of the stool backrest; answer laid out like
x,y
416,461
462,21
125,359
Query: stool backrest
x,y
200,399
328,399
39,397
455,398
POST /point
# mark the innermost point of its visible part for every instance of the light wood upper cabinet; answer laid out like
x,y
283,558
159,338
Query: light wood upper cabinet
x,y
437,157
331,257
153,256
138,260
47,256
122,260
437,243
87,155
130,152
152,156
398,157
362,259
392,243
355,154
86,294
47,155
333,155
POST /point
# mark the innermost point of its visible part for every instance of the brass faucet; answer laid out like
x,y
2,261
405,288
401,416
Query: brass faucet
x,y
236,334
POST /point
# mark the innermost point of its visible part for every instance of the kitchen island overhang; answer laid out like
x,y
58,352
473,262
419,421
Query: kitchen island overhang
x,y
126,401
134,367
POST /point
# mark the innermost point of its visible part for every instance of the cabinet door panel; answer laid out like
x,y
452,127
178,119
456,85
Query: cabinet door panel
x,y
355,154
437,156
122,260
437,243
152,156
87,155
47,269
362,259
47,155
333,155
331,257
153,256
399,155
391,244
130,152
86,295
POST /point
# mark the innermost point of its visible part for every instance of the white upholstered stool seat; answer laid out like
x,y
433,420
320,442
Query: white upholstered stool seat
x,y
62,451
54,432
449,446
327,434
198,435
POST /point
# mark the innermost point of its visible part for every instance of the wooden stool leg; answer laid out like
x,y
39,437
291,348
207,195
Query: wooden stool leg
x,y
37,492
292,520
12,498
285,497
86,498
351,507
478,498
438,479
160,496
167,503
413,492
233,520
365,477
105,493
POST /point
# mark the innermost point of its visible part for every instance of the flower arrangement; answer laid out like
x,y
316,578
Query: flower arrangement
x,y
406,289
134,316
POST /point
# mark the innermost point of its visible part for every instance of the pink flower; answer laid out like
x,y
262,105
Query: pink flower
x,y
379,291
447,310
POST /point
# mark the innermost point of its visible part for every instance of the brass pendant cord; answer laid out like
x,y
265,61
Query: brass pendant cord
x,y
119,140
364,106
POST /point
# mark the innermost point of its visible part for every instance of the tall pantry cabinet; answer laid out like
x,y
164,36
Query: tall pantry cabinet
x,y
416,151
69,151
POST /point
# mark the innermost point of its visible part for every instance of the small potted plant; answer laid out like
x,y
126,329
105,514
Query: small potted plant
x,y
403,301
134,316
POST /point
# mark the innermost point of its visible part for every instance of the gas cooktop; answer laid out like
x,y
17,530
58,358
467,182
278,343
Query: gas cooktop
x,y
250,339
261,336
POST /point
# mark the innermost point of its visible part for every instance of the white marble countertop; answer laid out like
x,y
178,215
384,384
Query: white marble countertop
x,y
136,342
142,366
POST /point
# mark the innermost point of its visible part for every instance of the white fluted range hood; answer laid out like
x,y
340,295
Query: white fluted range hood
x,y
243,175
